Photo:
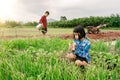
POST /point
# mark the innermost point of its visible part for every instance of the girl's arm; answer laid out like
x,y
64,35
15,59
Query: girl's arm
x,y
72,47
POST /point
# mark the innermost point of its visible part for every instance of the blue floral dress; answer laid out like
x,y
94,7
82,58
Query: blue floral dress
x,y
82,49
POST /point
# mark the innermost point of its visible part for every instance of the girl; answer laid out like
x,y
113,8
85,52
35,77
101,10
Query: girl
x,y
80,47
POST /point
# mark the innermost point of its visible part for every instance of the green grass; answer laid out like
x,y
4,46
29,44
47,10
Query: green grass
x,y
117,46
100,46
40,59
33,31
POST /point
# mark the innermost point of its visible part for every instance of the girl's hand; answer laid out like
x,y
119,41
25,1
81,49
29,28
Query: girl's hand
x,y
70,47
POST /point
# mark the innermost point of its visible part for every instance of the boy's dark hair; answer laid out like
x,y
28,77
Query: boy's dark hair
x,y
47,12
80,30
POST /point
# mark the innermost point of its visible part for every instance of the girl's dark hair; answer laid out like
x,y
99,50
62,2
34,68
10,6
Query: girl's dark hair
x,y
47,12
80,30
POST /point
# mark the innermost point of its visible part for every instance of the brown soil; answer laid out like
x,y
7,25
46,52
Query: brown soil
x,y
111,36
104,36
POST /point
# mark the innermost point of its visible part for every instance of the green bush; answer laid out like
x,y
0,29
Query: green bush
x,y
12,24
111,21
30,24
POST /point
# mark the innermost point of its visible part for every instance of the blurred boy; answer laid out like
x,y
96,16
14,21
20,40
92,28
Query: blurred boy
x,y
43,23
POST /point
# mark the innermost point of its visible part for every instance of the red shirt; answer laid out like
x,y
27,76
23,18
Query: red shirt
x,y
43,21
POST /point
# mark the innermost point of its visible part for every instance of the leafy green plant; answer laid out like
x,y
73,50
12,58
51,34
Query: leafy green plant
x,y
117,46
100,46
40,59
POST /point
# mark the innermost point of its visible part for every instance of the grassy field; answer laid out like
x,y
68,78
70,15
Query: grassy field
x,y
44,59
33,31
41,59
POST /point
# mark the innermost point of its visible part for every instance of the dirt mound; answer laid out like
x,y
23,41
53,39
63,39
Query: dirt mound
x,y
103,36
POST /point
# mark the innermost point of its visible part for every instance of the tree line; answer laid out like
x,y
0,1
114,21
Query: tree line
x,y
111,21
12,24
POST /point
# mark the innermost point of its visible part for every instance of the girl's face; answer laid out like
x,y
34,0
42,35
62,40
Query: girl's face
x,y
76,35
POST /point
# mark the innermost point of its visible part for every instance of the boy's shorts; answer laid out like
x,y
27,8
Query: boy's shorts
x,y
81,58
44,30
41,28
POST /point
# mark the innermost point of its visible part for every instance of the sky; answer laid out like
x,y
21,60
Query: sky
x,y
32,10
